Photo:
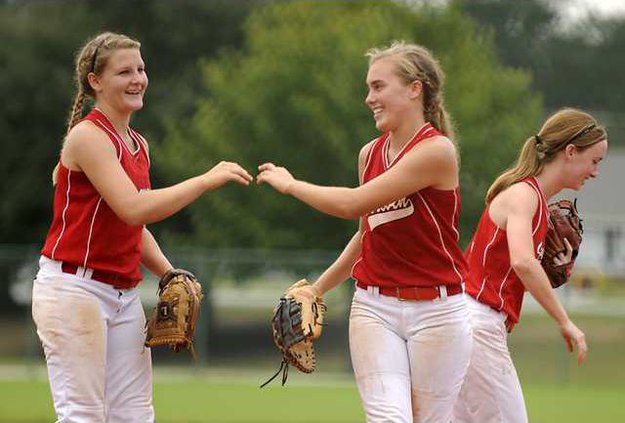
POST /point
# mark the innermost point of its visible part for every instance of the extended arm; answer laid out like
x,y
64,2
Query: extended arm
x,y
432,163
89,150
521,203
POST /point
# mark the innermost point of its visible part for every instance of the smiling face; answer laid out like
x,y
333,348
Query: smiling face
x,y
123,81
583,164
390,99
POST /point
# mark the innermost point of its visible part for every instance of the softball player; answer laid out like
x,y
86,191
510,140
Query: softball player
x,y
86,305
504,260
410,340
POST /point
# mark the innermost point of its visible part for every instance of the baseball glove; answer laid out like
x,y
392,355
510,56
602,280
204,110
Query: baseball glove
x,y
564,223
174,318
296,323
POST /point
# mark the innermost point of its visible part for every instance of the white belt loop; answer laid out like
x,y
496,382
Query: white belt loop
x,y
80,272
442,290
88,273
374,290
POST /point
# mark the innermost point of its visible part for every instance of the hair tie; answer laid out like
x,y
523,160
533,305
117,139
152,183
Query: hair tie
x,y
539,140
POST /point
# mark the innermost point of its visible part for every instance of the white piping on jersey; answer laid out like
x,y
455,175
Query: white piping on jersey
x,y
64,210
116,136
484,259
91,232
368,161
501,288
440,235
541,205
387,143
453,216
142,141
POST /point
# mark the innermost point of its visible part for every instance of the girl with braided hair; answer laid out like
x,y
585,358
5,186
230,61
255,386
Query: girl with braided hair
x,y
410,339
504,260
86,304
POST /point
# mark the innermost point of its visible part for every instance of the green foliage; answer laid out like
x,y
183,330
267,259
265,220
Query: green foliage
x,y
574,64
295,96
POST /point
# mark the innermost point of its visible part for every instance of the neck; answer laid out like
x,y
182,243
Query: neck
x,y
550,180
403,134
120,121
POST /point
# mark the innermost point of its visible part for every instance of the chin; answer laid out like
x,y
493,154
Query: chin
x,y
381,126
135,106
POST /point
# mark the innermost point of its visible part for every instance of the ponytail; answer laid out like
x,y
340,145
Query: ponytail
x,y
528,164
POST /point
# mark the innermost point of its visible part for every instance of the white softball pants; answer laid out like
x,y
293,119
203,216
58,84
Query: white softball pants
x,y
409,357
92,335
491,392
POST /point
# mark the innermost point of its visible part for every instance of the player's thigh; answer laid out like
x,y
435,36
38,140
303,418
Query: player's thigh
x,y
129,364
70,325
380,361
439,350
491,392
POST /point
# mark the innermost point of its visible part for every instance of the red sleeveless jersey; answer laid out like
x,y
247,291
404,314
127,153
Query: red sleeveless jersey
x,y
85,231
492,280
412,241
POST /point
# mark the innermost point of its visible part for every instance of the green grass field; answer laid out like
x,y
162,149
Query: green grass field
x,y
215,400
556,389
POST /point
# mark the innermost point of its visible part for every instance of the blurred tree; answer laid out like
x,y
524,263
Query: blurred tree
x,y
295,95
522,29
574,63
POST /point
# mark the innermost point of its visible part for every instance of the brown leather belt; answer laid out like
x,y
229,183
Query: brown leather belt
x,y
117,281
415,293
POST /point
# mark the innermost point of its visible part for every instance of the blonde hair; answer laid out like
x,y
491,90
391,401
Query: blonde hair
x,y
92,58
416,63
564,127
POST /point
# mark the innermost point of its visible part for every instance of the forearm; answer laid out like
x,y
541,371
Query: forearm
x,y
152,258
341,269
537,283
155,205
335,201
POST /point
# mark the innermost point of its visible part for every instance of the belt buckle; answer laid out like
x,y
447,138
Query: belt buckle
x,y
398,294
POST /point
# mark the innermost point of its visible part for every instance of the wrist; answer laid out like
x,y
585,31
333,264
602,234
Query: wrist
x,y
290,188
317,290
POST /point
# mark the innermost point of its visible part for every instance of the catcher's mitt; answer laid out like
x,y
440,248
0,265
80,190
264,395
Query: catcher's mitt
x,y
297,322
174,318
564,223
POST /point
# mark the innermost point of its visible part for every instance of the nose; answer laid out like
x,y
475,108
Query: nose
x,y
369,100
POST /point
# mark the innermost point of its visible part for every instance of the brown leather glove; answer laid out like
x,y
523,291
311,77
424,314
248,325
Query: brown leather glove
x,y
564,223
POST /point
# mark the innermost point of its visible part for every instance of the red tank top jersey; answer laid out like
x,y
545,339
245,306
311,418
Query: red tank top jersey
x,y
491,279
85,231
412,241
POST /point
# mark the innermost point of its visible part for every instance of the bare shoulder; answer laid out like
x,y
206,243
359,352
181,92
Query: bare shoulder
x,y
519,197
83,141
440,145
438,151
86,132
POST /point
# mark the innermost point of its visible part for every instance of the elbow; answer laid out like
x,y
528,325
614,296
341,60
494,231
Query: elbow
x,y
133,217
523,265
348,209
